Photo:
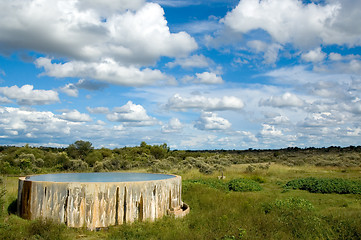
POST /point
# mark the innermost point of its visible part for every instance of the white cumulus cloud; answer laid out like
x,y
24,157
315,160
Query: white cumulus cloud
x,y
194,61
70,89
132,114
4,100
16,121
110,41
286,100
98,110
211,121
292,21
107,71
75,116
269,131
83,30
335,56
249,136
108,7
179,103
270,51
174,125
208,78
314,56
26,95
204,78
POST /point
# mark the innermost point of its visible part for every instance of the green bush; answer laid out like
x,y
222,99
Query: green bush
x,y
206,169
39,162
78,165
63,160
289,204
326,185
111,164
98,167
244,185
161,166
6,168
93,157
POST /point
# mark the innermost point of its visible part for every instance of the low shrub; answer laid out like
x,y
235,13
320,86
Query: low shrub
x,y
289,204
77,165
244,185
111,164
98,167
250,168
7,168
161,166
206,169
325,185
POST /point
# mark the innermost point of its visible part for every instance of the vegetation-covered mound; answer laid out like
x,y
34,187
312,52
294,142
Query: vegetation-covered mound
x,y
244,185
326,185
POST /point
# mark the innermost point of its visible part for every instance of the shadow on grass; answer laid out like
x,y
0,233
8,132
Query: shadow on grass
x,y
12,208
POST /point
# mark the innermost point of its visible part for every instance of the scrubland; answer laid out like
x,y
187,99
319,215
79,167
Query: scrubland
x,y
266,194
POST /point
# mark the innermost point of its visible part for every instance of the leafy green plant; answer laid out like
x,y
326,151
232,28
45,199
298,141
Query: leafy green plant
x,y
289,204
244,185
325,185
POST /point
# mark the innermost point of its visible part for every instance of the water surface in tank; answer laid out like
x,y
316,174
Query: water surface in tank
x,y
99,177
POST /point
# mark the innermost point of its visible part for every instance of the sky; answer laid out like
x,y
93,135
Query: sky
x,y
216,74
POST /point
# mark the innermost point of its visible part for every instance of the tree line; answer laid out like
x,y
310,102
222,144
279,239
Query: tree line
x,y
81,156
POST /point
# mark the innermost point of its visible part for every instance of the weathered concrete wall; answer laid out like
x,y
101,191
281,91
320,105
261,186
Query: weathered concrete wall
x,y
97,204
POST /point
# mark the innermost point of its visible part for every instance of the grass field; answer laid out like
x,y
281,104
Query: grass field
x,y
274,212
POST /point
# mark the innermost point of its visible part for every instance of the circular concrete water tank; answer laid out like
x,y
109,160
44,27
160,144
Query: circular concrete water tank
x,y
97,200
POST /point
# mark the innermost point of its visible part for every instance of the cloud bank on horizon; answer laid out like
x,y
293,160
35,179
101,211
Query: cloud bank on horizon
x,y
213,74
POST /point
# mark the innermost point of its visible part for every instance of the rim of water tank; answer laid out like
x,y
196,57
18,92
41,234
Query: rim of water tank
x,y
29,180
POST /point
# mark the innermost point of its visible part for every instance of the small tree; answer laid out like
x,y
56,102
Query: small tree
x,y
159,151
79,149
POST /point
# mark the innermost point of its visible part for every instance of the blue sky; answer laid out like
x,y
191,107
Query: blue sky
x,y
218,74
